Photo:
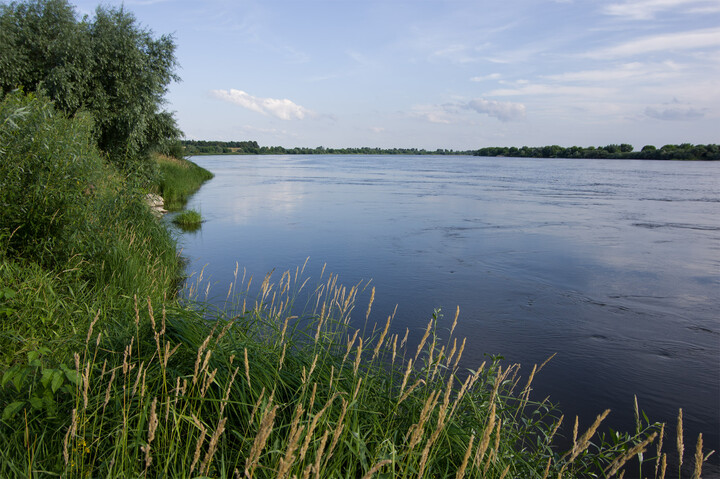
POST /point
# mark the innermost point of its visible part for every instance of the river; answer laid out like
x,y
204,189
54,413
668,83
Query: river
x,y
612,264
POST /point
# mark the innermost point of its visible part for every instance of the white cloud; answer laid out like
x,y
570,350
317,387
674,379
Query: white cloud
x,y
283,109
668,42
647,9
492,76
502,110
449,112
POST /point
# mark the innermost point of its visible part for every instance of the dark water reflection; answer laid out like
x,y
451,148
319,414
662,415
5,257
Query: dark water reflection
x,y
614,265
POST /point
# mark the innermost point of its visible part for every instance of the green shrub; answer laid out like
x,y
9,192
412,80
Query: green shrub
x,y
74,236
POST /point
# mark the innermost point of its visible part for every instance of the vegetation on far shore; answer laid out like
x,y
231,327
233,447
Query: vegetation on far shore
x,y
106,371
685,151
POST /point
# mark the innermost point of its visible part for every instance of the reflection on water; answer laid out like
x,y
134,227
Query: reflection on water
x,y
614,265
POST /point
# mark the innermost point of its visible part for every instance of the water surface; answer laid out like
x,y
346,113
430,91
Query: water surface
x,y
614,265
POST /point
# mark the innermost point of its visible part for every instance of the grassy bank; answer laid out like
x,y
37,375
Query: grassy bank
x,y
178,180
106,373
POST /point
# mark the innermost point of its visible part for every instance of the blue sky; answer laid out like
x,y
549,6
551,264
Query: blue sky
x,y
430,74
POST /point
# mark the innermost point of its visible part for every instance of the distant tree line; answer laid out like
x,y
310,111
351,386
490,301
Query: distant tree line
x,y
685,151
202,147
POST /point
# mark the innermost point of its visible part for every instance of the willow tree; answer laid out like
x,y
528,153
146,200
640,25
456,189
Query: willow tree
x,y
108,65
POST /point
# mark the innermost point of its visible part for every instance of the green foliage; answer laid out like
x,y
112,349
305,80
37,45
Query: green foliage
x,y
188,219
178,180
686,151
49,168
110,67
73,235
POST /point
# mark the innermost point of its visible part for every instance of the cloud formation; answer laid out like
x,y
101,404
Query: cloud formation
x,y
448,113
646,9
674,113
283,109
697,39
502,110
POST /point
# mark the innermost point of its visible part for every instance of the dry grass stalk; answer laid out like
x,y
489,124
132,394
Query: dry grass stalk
x,y
137,379
416,430
109,388
247,366
319,453
338,429
452,353
69,434
382,337
199,443
485,441
90,329
372,298
153,422
663,466
698,458
350,344
228,389
467,385
410,390
459,355
555,429
86,384
659,448
504,473
357,389
404,339
213,446
680,446
442,416
406,375
287,461
313,425
547,468
311,404
282,357
256,406
209,379
496,446
358,356
461,470
394,348
620,461
266,426
584,441
376,468
200,352
424,338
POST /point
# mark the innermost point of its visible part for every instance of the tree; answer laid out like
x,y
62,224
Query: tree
x,y
110,66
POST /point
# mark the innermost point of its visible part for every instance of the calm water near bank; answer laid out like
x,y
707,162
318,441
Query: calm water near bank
x,y
614,265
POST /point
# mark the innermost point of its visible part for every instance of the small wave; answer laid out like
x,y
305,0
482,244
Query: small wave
x,y
678,226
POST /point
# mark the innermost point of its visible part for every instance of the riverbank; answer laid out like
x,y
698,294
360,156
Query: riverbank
x,y
106,372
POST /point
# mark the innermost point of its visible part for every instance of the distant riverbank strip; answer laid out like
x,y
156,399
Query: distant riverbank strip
x,y
624,151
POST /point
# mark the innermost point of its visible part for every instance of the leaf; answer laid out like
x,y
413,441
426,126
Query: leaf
x,y
36,402
57,380
46,377
72,376
12,409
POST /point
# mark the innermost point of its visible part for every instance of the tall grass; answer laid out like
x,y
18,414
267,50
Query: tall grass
x,y
256,391
179,178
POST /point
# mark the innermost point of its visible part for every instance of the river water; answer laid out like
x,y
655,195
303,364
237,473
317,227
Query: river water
x,y
612,264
